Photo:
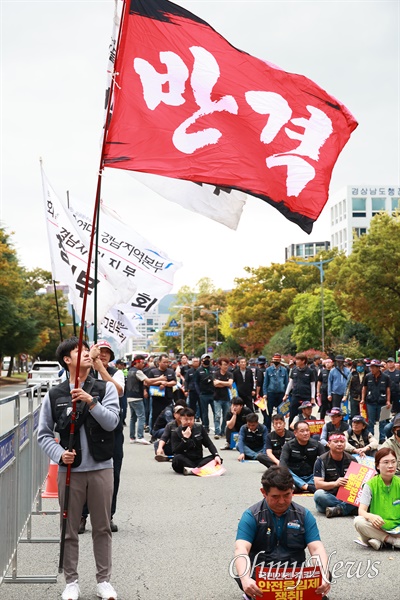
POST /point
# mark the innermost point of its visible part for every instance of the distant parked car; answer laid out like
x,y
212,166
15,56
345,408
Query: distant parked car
x,y
43,371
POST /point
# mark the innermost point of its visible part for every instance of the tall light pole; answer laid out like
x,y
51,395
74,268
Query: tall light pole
x,y
320,266
216,313
192,308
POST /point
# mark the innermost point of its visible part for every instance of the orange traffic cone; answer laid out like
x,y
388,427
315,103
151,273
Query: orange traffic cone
x,y
51,490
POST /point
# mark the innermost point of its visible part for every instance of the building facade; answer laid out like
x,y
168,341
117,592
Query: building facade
x,y
305,250
352,208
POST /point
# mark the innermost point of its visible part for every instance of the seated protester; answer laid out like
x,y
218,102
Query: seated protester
x,y
358,439
187,445
275,532
162,447
330,474
394,442
305,415
379,510
235,418
337,425
299,456
162,420
252,438
275,441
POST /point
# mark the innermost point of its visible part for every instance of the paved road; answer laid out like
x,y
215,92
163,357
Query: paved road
x,y
176,537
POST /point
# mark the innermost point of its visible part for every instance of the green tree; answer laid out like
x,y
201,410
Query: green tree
x,y
281,342
28,317
259,303
367,283
305,313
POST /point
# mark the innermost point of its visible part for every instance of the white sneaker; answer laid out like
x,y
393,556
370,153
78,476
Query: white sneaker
x,y
132,440
143,442
106,591
71,591
187,471
375,544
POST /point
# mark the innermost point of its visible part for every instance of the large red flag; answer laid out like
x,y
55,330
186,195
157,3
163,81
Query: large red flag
x,y
189,105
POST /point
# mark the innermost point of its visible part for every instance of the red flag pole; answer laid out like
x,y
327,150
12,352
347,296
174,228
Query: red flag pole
x,y
85,295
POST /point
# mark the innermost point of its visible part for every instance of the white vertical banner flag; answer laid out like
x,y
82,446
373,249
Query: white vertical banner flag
x,y
119,326
139,270
69,256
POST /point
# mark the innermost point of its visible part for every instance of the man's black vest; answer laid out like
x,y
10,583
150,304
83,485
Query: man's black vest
x,y
292,543
302,457
134,387
254,439
330,428
204,380
331,469
277,442
100,442
376,388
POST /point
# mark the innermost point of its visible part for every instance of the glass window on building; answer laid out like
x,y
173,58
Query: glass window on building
x,y
308,250
359,231
344,209
378,205
298,250
359,207
395,204
336,213
332,216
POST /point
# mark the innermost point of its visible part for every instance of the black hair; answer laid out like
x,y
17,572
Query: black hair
x,y
278,417
252,418
65,348
237,401
187,412
277,477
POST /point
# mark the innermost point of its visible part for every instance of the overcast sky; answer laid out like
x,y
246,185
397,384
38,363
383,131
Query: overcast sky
x,y
53,63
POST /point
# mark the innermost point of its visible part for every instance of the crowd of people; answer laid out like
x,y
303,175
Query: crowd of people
x,y
262,411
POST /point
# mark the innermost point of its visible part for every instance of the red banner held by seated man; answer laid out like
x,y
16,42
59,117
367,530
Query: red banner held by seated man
x,y
189,105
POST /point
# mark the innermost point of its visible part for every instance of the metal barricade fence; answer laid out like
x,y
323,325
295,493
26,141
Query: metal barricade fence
x,y
23,470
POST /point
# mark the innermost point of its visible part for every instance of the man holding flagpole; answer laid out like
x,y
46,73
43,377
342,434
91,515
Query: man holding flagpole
x,y
97,415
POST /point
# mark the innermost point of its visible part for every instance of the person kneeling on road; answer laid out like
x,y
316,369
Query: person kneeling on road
x,y
276,531
187,445
329,475
252,439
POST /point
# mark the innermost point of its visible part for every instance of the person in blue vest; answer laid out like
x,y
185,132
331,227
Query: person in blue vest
x,y
276,530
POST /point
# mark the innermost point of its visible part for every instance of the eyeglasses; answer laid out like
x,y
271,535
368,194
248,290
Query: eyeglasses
x,y
388,462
